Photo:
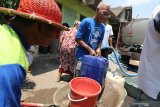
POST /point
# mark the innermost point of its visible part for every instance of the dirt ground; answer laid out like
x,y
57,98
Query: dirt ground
x,y
41,83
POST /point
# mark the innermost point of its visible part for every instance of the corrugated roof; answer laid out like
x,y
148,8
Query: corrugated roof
x,y
117,10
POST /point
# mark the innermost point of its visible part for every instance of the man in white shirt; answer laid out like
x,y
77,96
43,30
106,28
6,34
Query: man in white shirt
x,y
149,68
107,46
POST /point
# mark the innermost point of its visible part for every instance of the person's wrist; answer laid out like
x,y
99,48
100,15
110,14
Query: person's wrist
x,y
111,46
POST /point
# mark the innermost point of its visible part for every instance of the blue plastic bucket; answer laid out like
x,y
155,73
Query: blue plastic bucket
x,y
94,67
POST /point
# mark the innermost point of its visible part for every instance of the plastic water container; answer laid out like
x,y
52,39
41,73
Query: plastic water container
x,y
94,67
84,92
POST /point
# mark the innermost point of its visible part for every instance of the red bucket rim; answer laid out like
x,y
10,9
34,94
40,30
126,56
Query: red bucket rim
x,y
91,95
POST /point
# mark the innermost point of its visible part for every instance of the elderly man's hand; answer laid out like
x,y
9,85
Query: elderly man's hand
x,y
98,52
92,52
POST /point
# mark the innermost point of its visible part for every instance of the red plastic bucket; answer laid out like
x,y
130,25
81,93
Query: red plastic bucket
x,y
84,92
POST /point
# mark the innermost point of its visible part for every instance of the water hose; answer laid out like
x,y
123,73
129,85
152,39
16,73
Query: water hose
x,y
121,68
110,57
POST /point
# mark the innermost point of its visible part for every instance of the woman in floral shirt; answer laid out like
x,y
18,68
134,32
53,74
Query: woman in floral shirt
x,y
68,51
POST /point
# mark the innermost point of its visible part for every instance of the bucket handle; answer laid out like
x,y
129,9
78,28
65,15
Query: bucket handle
x,y
76,100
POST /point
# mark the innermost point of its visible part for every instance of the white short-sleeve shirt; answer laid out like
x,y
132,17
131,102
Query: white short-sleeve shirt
x,y
108,32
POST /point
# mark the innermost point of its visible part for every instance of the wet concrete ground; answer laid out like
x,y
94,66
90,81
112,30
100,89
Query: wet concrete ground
x,y
41,83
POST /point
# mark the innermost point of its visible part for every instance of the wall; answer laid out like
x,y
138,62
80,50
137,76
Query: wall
x,y
69,15
72,9
121,17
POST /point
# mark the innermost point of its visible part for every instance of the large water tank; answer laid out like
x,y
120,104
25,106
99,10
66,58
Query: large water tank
x,y
134,32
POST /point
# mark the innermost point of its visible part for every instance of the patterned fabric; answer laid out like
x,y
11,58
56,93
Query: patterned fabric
x,y
68,50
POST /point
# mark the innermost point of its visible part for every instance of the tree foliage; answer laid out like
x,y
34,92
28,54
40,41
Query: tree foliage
x,y
13,4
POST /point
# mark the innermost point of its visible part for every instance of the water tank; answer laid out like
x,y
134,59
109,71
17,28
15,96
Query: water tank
x,y
134,32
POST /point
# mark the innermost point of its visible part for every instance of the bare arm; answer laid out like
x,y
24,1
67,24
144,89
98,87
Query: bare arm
x,y
83,44
98,50
110,41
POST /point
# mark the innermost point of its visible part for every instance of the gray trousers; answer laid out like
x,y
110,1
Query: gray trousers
x,y
138,94
141,99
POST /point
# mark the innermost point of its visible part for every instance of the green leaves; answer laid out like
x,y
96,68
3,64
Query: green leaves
x,y
13,4
9,3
